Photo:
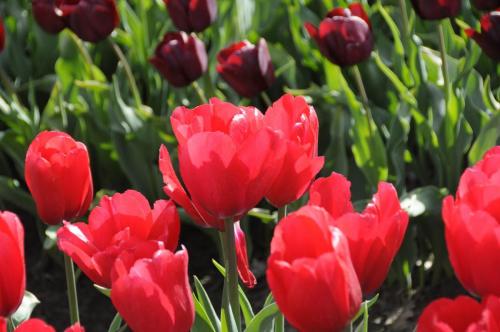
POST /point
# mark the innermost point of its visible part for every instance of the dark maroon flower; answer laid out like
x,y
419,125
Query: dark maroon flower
x,y
46,16
489,37
247,68
344,36
180,58
486,4
2,35
192,15
436,9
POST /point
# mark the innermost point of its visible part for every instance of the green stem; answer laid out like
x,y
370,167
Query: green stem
x,y
200,92
281,212
11,327
266,98
84,53
406,22
71,286
444,67
231,280
280,319
364,96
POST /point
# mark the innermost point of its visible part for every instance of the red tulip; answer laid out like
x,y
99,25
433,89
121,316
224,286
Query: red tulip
x,y
486,4
45,13
12,275
489,37
463,314
374,235
244,271
228,160
57,173
192,15
472,226
37,325
180,58
299,124
121,224
154,295
344,37
247,68
436,9
2,35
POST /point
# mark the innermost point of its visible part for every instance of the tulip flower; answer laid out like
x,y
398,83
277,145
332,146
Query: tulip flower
x,y
45,13
436,9
192,15
244,271
37,325
344,37
489,37
58,176
12,275
374,236
486,4
310,272
121,224
299,124
180,58
463,314
247,68
154,294
472,226
2,35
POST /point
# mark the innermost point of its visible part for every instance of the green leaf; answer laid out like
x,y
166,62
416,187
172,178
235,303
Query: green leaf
x,y
115,324
487,138
264,320
103,290
206,303
365,306
25,309
423,201
201,321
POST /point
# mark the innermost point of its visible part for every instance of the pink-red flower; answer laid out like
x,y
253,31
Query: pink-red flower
x,y
374,235
299,125
37,325
463,314
310,272
192,15
489,37
472,226
121,224
12,270
244,271
154,294
57,172
436,9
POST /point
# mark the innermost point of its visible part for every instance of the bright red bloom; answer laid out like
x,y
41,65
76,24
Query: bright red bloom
x,y
2,35
463,314
228,160
57,172
247,68
154,294
472,226
13,275
121,224
192,15
489,37
310,272
75,328
37,325
344,37
180,58
244,271
45,13
436,9
374,236
299,124
486,4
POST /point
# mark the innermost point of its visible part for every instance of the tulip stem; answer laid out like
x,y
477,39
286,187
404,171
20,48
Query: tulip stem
x,y
128,72
280,319
231,281
281,213
200,92
406,22
364,96
444,65
266,98
71,286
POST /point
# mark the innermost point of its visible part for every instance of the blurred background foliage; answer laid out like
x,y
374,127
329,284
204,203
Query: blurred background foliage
x,y
416,140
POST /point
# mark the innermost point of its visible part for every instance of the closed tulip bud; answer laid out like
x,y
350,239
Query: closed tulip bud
x,y
374,236
472,226
45,13
120,224
437,9
489,37
298,123
461,314
344,37
2,35
486,4
247,68
57,173
37,325
12,275
154,294
310,272
180,58
192,15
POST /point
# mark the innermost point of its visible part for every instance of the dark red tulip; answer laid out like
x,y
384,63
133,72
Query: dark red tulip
x,y
463,314
247,68
57,173
37,325
121,224
472,226
344,37
192,15
298,123
91,20
2,35
154,294
310,272
180,58
12,275
486,4
45,13
437,9
374,235
489,37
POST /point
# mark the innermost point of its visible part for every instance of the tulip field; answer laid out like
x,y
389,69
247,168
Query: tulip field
x,y
250,165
